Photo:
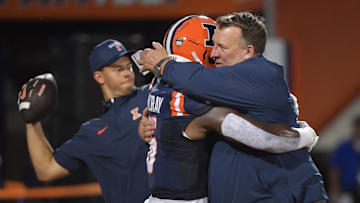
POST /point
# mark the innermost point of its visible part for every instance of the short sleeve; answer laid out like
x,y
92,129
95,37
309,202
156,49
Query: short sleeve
x,y
70,155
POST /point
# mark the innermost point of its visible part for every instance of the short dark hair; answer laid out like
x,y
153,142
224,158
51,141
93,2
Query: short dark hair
x,y
252,26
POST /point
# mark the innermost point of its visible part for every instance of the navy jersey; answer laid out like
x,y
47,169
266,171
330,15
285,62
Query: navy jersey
x,y
177,166
111,148
255,87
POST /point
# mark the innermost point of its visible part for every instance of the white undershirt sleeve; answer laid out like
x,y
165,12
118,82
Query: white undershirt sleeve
x,y
245,132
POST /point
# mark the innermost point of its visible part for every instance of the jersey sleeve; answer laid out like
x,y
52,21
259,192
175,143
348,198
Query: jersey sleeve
x,y
70,155
245,86
195,107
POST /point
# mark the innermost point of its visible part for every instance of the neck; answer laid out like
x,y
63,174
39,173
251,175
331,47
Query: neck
x,y
107,96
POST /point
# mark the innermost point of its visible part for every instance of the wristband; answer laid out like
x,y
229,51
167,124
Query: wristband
x,y
158,65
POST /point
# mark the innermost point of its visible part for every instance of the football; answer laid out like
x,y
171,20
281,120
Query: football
x,y
37,98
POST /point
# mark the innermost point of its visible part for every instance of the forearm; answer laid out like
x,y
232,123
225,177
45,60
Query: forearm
x,y
171,68
222,86
245,132
40,151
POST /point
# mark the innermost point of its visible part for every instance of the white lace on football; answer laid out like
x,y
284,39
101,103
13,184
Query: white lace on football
x,y
24,105
47,76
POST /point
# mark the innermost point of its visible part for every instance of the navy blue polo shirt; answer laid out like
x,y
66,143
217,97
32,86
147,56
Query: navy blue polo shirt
x,y
111,148
255,87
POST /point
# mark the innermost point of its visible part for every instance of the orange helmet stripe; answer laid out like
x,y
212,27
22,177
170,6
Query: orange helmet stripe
x,y
170,36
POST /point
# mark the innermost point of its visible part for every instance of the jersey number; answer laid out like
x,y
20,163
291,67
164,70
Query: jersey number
x,y
151,156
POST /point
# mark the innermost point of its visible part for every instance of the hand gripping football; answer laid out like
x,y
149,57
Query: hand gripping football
x,y
37,98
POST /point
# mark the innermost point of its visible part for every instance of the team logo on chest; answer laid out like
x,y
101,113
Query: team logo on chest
x,y
135,113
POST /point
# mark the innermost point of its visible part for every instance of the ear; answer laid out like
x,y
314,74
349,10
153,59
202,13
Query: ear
x,y
250,51
98,77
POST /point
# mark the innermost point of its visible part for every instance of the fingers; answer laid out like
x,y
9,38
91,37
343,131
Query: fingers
x,y
146,113
295,104
151,56
146,130
157,46
146,126
147,60
303,124
147,140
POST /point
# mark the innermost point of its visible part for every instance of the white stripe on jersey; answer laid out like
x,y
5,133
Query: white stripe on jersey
x,y
177,104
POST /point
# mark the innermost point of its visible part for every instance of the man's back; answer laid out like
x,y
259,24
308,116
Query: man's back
x,y
177,165
256,87
249,175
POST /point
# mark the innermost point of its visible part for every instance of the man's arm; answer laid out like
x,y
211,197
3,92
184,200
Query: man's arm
x,y
41,154
273,138
245,85
36,99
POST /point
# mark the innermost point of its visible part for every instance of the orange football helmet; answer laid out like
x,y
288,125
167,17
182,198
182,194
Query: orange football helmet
x,y
191,38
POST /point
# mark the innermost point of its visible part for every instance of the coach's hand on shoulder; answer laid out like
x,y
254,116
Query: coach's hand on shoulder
x,y
151,56
37,98
146,127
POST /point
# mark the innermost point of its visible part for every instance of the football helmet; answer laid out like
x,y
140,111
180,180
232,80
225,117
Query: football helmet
x,y
191,38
